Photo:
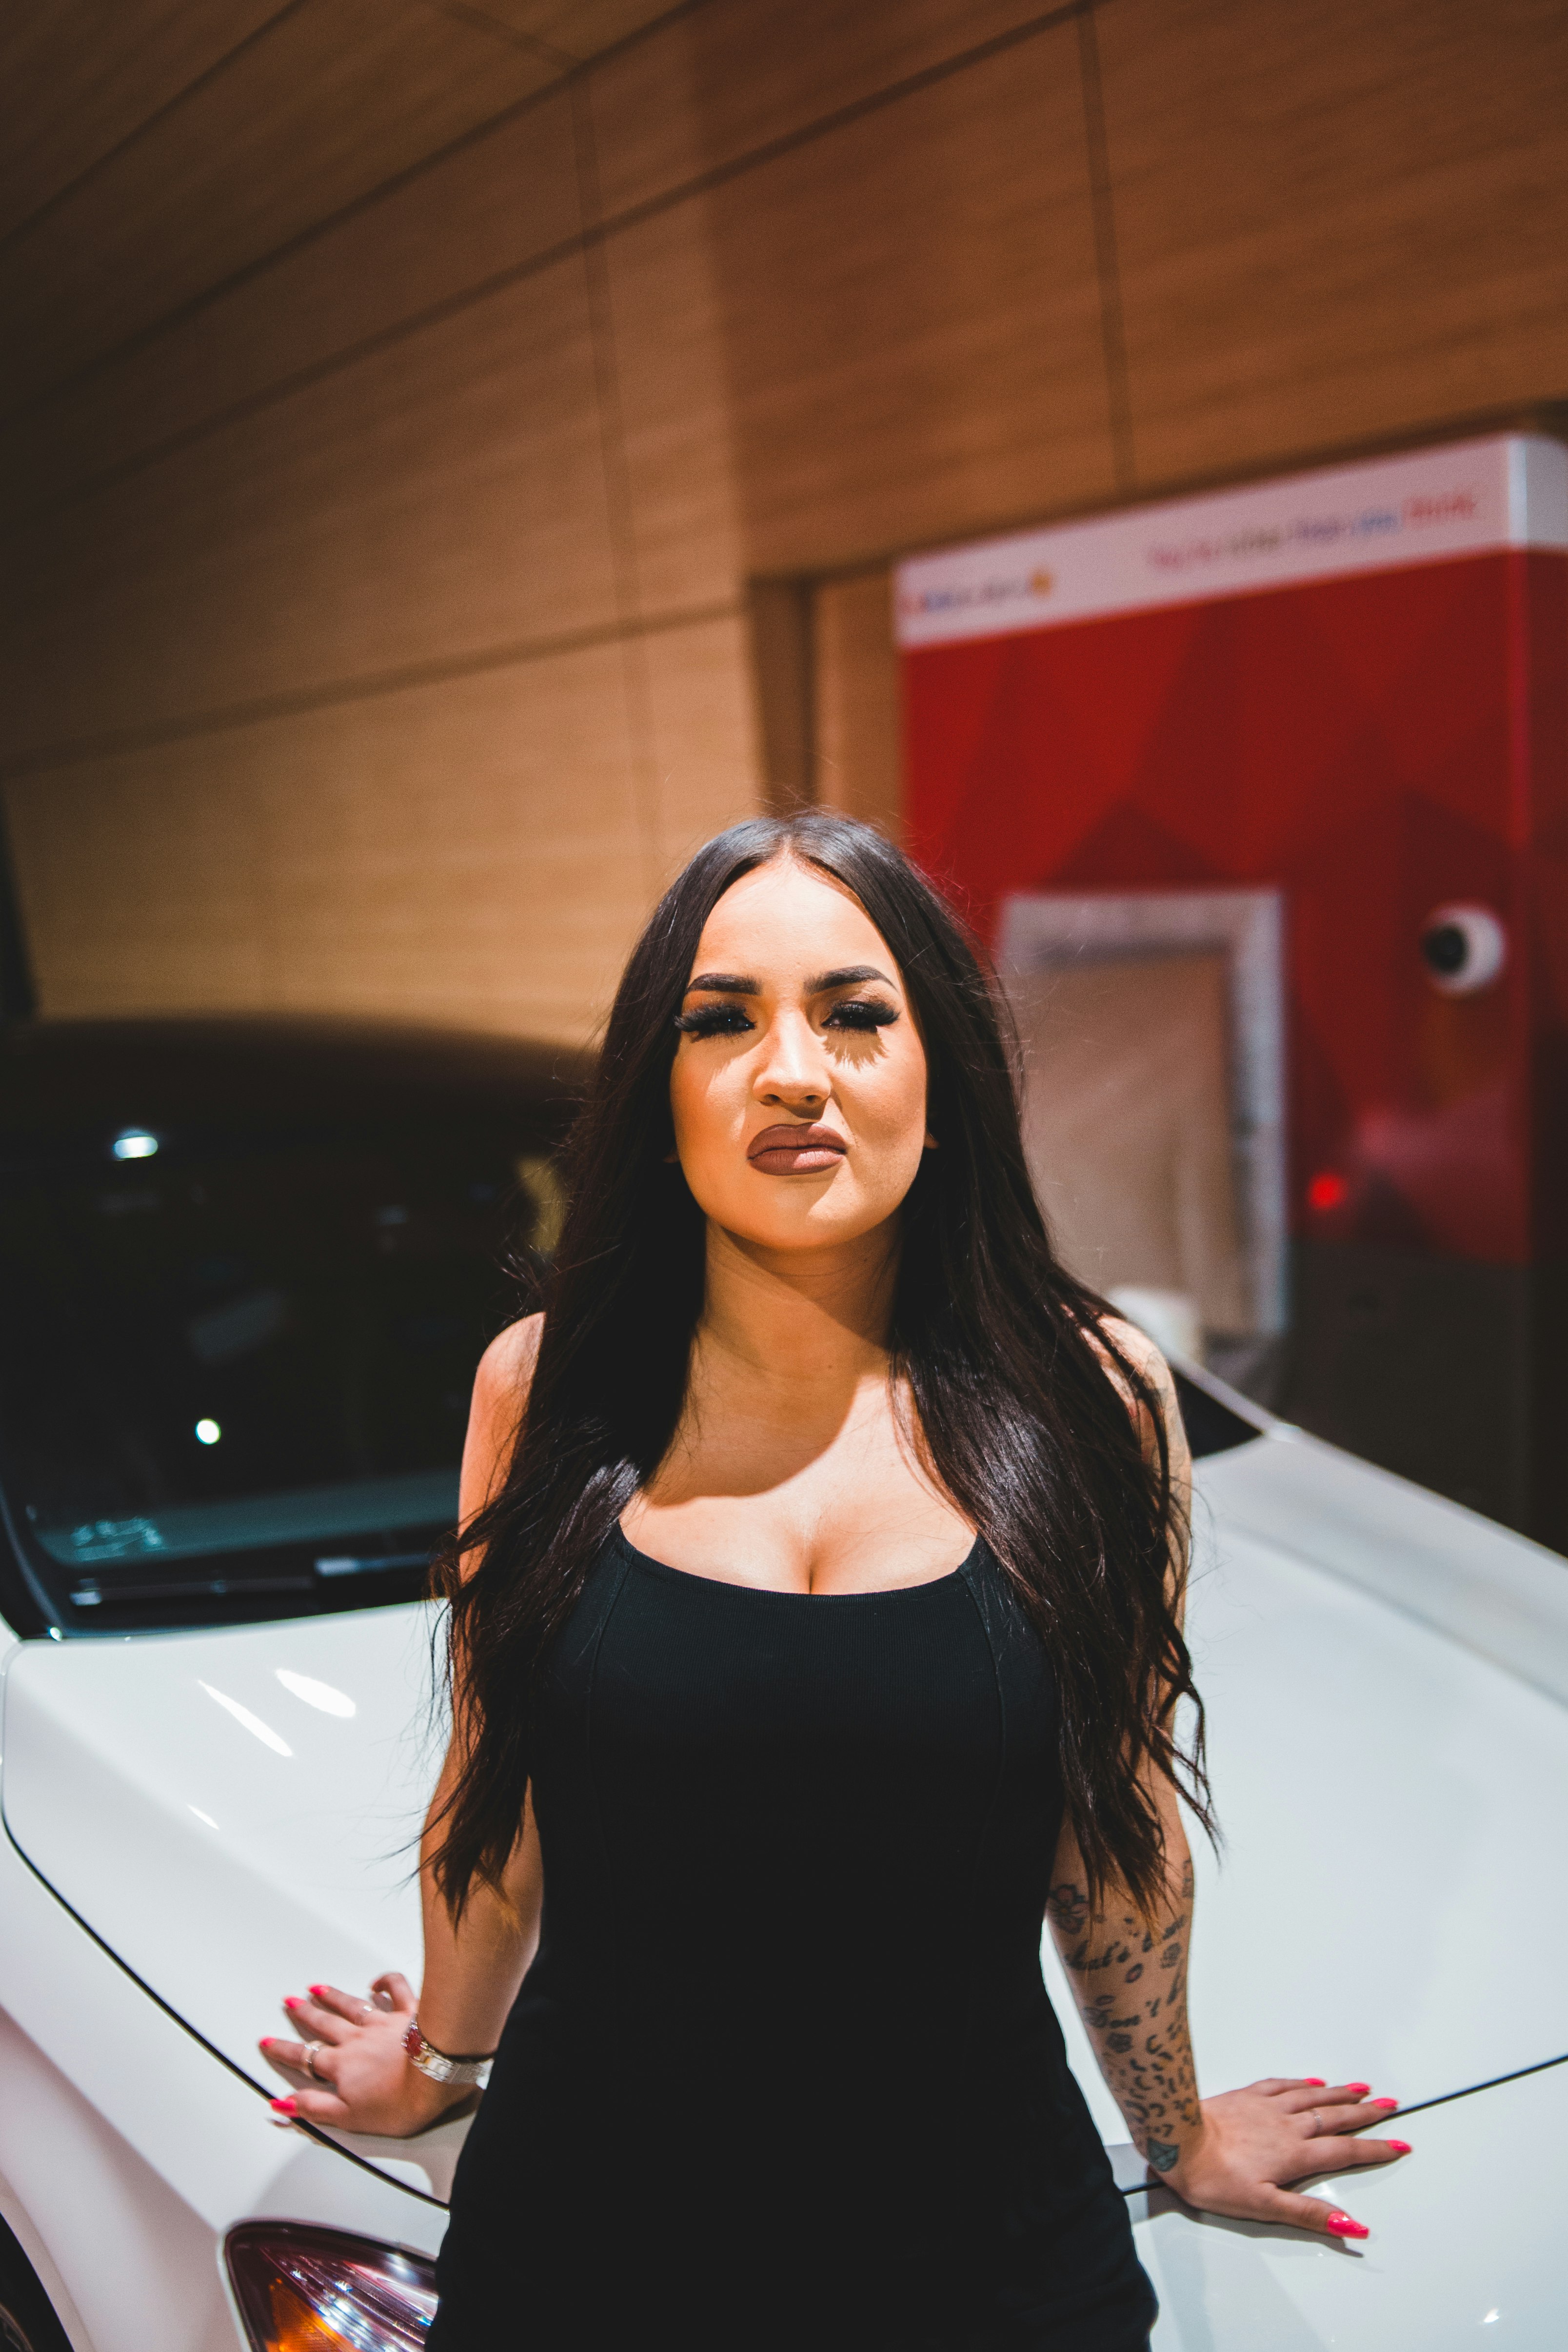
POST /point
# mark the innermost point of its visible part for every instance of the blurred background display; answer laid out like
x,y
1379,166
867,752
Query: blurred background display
x,y
1319,1113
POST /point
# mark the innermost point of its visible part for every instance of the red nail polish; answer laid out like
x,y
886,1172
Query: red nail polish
x,y
1358,2090
1340,2225
1400,2147
317,1992
1314,2082
1385,2103
286,2107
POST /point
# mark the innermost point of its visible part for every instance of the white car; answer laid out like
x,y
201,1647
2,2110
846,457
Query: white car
x,y
198,1816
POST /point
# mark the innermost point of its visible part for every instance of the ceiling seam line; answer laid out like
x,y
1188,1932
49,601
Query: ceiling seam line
x,y
121,146
560,61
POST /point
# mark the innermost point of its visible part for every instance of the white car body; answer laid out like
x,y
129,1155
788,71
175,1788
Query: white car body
x,y
196,1823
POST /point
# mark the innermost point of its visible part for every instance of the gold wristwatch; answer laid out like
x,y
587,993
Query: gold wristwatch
x,y
442,2068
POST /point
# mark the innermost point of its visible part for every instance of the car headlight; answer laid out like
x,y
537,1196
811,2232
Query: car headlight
x,y
304,2290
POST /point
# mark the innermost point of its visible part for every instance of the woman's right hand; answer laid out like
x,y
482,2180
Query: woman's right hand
x,y
362,2079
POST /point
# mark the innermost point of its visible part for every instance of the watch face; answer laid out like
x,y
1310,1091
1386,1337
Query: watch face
x,y
429,2061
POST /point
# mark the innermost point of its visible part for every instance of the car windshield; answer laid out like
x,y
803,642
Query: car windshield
x,y
236,1366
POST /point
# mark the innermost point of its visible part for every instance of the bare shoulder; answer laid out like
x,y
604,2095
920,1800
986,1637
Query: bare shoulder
x,y
500,1397
1136,1348
506,1366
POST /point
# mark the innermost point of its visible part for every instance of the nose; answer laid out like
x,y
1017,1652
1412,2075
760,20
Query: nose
x,y
793,1073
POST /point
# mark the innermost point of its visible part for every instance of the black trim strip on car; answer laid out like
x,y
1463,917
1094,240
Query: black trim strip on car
x,y
1541,2066
300,2123
1416,2107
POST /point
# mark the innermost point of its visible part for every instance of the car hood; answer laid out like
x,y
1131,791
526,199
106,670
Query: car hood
x,y
233,1812
1386,1676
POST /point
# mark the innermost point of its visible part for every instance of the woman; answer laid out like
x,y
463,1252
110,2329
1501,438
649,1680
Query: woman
x,y
815,1629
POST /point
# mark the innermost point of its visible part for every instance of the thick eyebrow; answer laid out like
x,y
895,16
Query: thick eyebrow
x,y
724,983
738,983
848,975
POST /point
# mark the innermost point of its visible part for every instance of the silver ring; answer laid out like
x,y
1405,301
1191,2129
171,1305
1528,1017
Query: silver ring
x,y
310,2050
1317,2119
368,2010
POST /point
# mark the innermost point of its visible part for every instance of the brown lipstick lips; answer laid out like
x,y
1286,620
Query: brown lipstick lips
x,y
794,1150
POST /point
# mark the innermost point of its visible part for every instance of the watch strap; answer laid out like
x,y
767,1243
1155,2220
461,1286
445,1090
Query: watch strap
x,y
439,2066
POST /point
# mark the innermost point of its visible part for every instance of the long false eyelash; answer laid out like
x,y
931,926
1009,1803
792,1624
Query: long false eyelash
x,y
712,1021
863,1012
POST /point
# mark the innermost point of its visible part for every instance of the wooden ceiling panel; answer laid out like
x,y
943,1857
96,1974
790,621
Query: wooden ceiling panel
x,y
80,76
573,29
335,97
492,204
1376,233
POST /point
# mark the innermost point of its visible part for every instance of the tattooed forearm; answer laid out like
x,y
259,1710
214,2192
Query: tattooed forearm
x,y
1130,1977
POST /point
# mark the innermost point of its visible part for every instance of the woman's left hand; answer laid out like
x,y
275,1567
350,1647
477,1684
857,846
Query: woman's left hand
x,y
353,2071
1253,2143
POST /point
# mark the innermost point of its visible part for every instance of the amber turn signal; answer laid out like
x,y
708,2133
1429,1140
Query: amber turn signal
x,y
305,2290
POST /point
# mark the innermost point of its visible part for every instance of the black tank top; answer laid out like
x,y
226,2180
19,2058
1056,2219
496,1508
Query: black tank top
x,y
785,2071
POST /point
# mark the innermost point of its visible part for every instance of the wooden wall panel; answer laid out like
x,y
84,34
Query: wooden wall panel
x,y
719,83
700,736
685,515
333,100
857,699
912,318
490,839
886,335
493,205
1333,221
472,851
143,885
442,499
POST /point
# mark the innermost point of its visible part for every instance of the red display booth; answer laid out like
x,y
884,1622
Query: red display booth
x,y
1311,735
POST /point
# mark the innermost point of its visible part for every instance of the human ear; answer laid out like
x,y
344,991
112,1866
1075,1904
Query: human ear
x,y
930,1143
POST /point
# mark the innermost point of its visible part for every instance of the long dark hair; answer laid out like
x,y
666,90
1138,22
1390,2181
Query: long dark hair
x,y
1018,1416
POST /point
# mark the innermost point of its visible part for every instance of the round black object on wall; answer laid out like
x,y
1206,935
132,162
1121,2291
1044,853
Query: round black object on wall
x,y
1464,949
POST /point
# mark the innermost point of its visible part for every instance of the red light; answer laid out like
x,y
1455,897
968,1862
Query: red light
x,y
1327,1189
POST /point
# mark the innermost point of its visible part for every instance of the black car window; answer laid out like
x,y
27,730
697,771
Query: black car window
x,y
235,1370
1211,1427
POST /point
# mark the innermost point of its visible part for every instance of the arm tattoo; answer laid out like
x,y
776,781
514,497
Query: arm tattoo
x,y
1069,1908
1130,1976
